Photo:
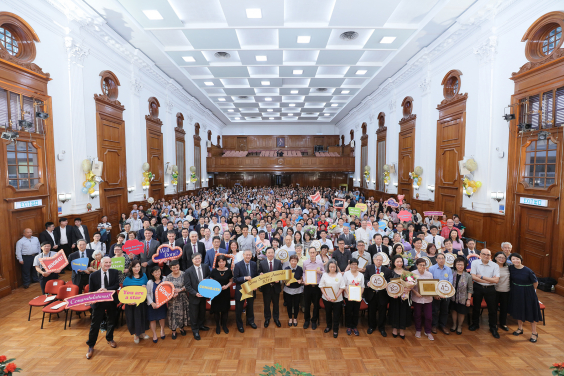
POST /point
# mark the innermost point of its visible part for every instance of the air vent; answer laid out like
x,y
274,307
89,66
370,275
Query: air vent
x,y
243,97
321,89
349,35
222,55
311,113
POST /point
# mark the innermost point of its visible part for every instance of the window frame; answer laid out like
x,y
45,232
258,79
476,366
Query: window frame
x,y
523,165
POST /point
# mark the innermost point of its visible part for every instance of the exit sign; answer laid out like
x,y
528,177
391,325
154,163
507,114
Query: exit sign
x,y
533,201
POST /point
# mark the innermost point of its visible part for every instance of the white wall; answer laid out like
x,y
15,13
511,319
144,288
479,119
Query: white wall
x,y
485,45
75,47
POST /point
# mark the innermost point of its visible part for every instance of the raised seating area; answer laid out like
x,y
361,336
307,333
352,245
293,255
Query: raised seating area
x,y
274,153
234,153
327,154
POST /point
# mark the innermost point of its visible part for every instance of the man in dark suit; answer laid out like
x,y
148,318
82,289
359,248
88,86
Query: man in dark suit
x,y
80,278
64,233
271,292
80,231
470,248
49,236
377,246
150,246
197,307
169,228
105,279
161,229
183,239
244,271
192,247
350,242
141,233
377,300
210,253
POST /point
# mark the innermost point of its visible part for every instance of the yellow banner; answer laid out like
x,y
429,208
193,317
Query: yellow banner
x,y
261,280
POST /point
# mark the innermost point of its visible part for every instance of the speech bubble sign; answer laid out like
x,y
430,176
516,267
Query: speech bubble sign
x,y
209,288
57,262
118,263
361,206
382,224
89,298
404,215
132,246
79,264
165,253
393,203
339,203
354,211
132,295
163,293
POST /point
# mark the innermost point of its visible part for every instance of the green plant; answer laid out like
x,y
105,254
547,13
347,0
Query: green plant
x,y
277,369
7,367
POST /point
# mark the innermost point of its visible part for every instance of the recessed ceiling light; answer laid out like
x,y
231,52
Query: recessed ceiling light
x,y
268,99
345,91
361,71
265,83
327,114
254,13
189,59
230,110
221,99
269,110
294,92
222,55
388,40
292,105
334,105
290,114
304,39
298,71
153,14
261,58
349,35
237,118
271,118
208,83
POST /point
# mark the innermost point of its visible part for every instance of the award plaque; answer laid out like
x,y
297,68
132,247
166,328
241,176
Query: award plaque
x,y
355,293
378,282
449,259
445,288
310,277
427,287
330,292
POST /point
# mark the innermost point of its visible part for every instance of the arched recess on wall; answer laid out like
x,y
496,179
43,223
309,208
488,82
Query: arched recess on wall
x,y
380,151
180,149
342,140
110,131
155,155
352,134
197,155
209,135
218,141
406,148
364,154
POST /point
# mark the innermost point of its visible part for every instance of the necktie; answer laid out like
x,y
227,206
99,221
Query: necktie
x,y
270,265
200,274
106,283
377,270
194,247
184,240
81,254
379,250
433,240
146,247
248,271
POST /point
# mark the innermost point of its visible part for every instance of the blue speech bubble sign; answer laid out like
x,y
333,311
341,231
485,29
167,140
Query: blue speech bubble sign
x,y
382,224
79,264
209,288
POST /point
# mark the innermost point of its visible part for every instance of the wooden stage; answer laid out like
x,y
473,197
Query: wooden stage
x,y
54,351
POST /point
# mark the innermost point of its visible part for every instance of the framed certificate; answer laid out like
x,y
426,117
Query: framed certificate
x,y
362,262
311,277
330,292
427,287
355,293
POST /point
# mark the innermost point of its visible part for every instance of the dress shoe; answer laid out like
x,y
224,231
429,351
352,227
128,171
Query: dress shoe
x,y
90,352
241,329
252,325
370,331
155,340
504,327
306,324
277,322
197,336
204,328
182,332
495,334
327,330
226,330
313,325
473,327
445,330
266,323
217,330
534,337
335,334
402,337
296,323
112,344
174,335
355,332
383,333
26,286
434,330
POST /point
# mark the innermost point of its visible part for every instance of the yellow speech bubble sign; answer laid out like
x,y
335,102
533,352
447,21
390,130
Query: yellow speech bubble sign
x,y
132,294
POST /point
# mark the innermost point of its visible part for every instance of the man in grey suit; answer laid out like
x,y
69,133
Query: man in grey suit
x,y
271,292
197,308
150,246
350,242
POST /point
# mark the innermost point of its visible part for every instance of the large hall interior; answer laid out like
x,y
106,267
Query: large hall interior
x,y
305,187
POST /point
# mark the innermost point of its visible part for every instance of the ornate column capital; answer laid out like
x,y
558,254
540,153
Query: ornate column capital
x,y
76,51
136,85
487,50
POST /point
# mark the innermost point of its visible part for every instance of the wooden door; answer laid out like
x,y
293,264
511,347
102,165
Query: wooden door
x,y
406,163
535,239
20,219
155,158
242,143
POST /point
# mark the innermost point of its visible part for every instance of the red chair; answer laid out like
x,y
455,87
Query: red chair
x,y
51,288
81,308
542,311
363,307
65,291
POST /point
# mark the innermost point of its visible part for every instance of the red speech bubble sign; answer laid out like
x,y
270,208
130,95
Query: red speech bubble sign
x,y
404,215
133,246
163,293
57,262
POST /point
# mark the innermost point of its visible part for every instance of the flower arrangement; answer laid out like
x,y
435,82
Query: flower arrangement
x,y
7,367
408,280
310,229
277,369
557,369
408,260
174,180
193,177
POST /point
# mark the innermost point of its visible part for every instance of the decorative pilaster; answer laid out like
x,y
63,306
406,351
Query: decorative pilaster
x,y
136,141
392,140
426,136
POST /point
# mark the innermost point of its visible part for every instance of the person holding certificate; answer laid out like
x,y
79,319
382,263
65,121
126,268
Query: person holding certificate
x,y
399,312
313,270
354,287
293,292
363,257
332,285
422,304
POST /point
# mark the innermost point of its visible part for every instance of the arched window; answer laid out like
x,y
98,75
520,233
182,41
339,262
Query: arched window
x,y
544,36
9,41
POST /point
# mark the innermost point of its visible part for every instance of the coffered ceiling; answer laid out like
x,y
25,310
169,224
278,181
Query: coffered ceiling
x,y
280,61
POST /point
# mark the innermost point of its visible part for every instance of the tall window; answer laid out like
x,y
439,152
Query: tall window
x,y
180,164
23,165
540,164
18,112
381,161
364,159
543,111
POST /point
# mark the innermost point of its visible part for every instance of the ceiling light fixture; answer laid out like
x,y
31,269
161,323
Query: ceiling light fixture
x,y
237,118
188,59
153,14
361,71
304,39
265,83
222,55
349,35
269,110
208,83
261,58
254,13
230,111
298,71
292,105
327,114
388,40
345,91
221,99
271,118
294,92
290,114
334,105
268,99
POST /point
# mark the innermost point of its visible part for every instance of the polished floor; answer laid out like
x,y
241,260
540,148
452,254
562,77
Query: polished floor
x,y
54,351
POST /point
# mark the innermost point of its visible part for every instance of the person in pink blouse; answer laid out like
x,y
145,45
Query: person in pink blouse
x,y
423,305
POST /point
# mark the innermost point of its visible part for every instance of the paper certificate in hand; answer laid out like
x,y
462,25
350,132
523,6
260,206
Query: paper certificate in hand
x,y
311,277
355,293
330,292
362,262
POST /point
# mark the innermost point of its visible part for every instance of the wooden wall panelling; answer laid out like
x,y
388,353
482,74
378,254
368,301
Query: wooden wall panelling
x,y
155,149
292,142
381,136
406,149
180,148
266,164
197,155
252,179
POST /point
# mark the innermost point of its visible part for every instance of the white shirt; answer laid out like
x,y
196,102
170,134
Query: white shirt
x,y
489,270
81,229
362,234
439,240
349,279
136,224
63,239
52,236
336,283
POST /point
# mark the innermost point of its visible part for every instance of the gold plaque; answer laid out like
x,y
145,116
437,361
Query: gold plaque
x,y
445,288
427,287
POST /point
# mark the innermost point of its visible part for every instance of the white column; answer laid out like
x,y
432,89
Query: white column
x,y
359,169
392,141
189,162
136,141
169,139
481,149
426,137
203,156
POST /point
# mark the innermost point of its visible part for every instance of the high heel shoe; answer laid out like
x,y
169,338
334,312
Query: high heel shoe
x,y
163,336
536,337
295,323
394,335
402,336
518,332
155,340
290,323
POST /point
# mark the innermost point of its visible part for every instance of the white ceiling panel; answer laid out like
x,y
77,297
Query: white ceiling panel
x,y
258,39
364,13
311,12
196,13
264,71
171,38
235,12
206,39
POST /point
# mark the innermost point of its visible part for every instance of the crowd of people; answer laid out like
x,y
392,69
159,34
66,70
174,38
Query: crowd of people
x,y
234,235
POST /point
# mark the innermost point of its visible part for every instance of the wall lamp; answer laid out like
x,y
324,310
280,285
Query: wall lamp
x,y
396,185
431,188
166,185
498,196
64,197
94,194
130,189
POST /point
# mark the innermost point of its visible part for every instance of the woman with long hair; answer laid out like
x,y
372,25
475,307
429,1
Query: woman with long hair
x,y
135,315
155,313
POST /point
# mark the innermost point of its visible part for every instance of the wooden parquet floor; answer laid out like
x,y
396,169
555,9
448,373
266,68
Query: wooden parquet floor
x,y
54,351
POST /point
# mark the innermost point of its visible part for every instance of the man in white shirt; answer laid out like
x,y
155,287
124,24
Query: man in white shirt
x,y
485,274
325,241
435,239
363,233
26,250
135,222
